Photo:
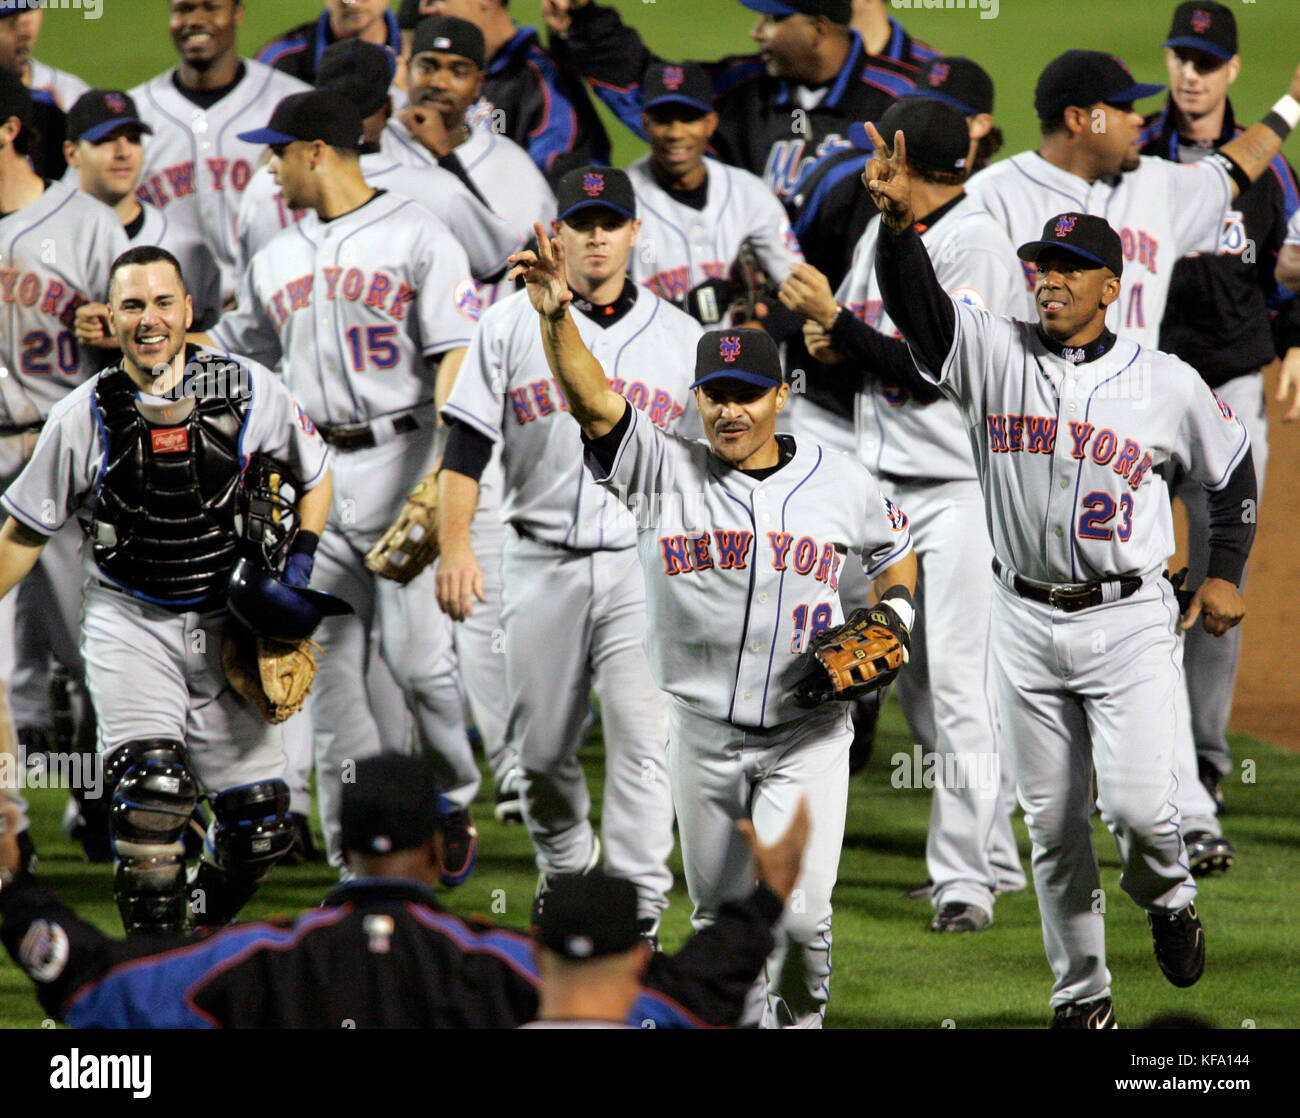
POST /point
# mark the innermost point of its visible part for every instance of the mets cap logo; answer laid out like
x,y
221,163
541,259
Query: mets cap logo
x,y
729,348
593,182
938,74
1065,226
673,77
1201,20
116,102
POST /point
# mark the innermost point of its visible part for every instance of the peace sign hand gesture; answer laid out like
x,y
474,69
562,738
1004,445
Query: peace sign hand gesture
x,y
885,177
544,275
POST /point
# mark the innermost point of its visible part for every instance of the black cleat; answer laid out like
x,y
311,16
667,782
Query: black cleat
x,y
1208,854
510,804
1179,943
648,929
957,917
1096,1014
304,849
459,844
1213,781
544,885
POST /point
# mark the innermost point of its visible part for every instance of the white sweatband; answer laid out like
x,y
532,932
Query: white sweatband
x,y
1288,108
903,610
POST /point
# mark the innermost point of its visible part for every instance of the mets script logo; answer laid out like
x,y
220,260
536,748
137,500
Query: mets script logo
x,y
1200,21
116,102
938,74
593,183
897,517
729,348
1065,226
673,77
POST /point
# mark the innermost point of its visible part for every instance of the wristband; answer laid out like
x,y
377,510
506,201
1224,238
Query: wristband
x,y
305,543
1288,108
1231,168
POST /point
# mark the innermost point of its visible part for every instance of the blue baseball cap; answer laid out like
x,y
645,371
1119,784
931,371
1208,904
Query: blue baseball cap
x,y
1081,78
746,354
1205,26
837,11
99,112
318,114
592,187
680,83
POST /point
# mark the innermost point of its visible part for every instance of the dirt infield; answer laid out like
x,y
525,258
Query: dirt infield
x,y
1267,703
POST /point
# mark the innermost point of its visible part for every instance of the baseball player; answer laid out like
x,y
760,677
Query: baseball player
x,y
919,451
570,586
534,96
810,62
883,35
1088,161
1084,628
150,454
362,71
1217,319
56,244
41,78
740,540
362,329
1288,274
195,165
696,213
19,25
299,51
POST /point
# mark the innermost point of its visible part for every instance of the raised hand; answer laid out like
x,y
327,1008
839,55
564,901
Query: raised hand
x,y
887,180
544,275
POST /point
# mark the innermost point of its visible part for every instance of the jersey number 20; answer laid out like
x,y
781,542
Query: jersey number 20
x,y
37,345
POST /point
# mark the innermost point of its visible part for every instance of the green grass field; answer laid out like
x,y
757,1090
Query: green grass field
x,y
889,973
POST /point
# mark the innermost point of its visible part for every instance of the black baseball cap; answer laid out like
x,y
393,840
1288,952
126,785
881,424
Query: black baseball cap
x,y
1086,77
389,805
956,81
97,112
412,11
317,114
1204,25
450,35
677,83
15,98
358,71
1081,234
837,11
937,136
17,8
748,355
588,916
587,187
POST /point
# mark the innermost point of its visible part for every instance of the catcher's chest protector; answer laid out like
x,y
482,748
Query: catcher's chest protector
x,y
164,512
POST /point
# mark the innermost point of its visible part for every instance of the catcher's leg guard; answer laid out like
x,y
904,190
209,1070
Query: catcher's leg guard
x,y
153,796
251,830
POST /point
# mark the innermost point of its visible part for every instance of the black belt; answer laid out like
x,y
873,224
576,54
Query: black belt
x,y
361,436
20,428
1071,596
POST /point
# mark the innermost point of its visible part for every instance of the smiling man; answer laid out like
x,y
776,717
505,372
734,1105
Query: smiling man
x,y
741,540
696,213
195,165
1084,629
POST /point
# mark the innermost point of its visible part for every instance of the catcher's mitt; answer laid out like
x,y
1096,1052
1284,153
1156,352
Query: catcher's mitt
x,y
854,659
274,676
411,542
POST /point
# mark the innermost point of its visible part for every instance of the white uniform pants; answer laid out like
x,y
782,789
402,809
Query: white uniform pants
x,y
1078,691
723,773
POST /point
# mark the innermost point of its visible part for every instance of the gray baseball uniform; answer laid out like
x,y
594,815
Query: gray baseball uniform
x,y
64,87
195,165
1067,444
1162,211
740,573
921,454
354,324
571,585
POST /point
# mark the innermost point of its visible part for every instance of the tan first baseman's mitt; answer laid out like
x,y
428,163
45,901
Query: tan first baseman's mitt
x,y
274,676
411,542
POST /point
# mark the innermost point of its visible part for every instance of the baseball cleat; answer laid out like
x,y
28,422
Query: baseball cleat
x,y
956,917
510,805
1208,854
303,851
920,892
1096,1014
648,929
459,844
1179,944
544,884
1213,781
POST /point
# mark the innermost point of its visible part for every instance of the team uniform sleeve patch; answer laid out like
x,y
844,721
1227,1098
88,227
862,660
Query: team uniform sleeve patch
x,y
279,427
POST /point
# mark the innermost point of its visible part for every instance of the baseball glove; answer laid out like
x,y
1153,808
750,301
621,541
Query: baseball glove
x,y
274,676
854,659
411,542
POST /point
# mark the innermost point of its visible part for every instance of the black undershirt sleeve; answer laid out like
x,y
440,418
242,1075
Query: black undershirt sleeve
x,y
468,451
605,449
879,357
1232,522
913,297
